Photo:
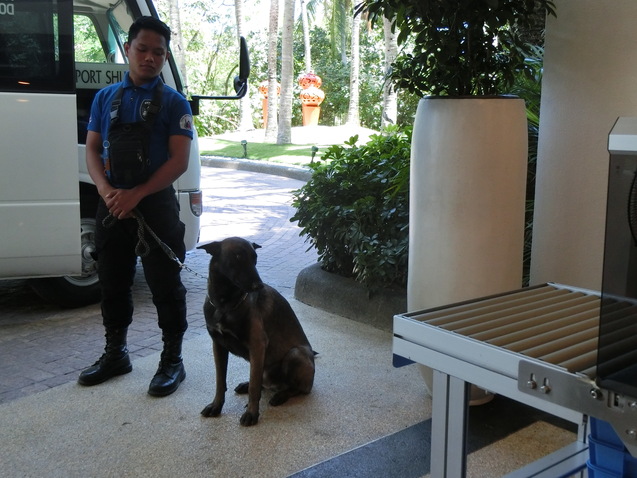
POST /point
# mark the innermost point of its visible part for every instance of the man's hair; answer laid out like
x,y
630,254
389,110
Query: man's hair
x,y
149,23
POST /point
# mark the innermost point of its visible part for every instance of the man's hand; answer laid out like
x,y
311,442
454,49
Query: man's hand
x,y
121,202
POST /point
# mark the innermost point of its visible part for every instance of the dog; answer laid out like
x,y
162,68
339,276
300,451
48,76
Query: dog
x,y
252,320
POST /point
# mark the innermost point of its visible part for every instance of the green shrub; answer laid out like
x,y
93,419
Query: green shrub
x,y
355,209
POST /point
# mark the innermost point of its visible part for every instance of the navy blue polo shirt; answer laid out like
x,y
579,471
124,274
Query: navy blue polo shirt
x,y
175,117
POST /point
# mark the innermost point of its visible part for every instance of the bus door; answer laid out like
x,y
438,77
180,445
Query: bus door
x,y
39,194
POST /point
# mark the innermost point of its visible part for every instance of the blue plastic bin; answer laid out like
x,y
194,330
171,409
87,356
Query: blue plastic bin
x,y
603,431
608,457
597,472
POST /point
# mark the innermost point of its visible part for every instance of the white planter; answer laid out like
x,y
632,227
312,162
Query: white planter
x,y
467,199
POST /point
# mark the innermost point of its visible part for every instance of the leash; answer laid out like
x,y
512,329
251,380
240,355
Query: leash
x,y
142,249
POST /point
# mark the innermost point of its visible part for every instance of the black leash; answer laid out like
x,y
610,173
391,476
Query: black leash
x,y
142,249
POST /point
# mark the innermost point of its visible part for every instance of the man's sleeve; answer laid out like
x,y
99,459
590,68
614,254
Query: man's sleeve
x,y
95,119
181,119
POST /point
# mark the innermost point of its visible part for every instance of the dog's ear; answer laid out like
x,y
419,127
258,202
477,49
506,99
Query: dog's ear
x,y
255,246
212,248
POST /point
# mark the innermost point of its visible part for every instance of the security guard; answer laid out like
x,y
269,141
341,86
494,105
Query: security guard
x,y
138,144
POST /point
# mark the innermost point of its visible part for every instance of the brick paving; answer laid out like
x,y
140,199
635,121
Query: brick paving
x,y
43,346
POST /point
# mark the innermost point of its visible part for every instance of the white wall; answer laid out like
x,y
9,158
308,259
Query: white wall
x,y
590,79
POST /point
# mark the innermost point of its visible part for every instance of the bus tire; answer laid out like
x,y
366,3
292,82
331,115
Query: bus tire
x,y
74,291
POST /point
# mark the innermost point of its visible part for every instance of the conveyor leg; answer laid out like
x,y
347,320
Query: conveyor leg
x,y
449,426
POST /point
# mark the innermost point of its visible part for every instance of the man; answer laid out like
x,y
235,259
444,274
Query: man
x,y
139,118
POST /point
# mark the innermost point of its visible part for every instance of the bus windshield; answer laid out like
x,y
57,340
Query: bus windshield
x,y
36,45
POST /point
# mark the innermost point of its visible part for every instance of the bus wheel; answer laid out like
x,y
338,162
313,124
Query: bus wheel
x,y
74,291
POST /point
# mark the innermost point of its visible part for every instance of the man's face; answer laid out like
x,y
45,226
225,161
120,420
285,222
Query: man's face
x,y
146,54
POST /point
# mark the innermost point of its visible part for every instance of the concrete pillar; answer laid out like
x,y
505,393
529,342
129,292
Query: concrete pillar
x,y
590,79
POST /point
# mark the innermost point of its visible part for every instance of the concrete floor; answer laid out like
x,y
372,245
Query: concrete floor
x,y
364,418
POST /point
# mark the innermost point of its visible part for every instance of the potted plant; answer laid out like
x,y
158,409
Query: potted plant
x,y
460,48
469,144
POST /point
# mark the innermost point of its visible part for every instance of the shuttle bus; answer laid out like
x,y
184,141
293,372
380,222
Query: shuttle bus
x,y
54,56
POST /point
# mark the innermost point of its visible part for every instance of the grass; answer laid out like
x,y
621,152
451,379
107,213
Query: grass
x,y
293,154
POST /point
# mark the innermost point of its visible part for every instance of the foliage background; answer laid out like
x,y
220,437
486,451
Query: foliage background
x,y
354,210
211,46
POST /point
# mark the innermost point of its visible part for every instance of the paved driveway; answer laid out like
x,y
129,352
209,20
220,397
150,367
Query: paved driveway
x,y
42,346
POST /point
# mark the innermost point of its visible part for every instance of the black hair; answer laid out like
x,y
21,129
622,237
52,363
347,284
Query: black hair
x,y
149,23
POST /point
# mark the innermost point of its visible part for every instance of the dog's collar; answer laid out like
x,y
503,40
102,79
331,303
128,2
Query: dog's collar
x,y
239,302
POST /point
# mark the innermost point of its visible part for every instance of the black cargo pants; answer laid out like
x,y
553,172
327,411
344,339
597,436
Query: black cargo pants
x,y
117,260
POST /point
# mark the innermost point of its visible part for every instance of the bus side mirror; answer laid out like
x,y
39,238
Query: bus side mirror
x,y
240,81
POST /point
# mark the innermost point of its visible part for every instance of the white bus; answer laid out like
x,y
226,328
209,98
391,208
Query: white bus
x,y
54,56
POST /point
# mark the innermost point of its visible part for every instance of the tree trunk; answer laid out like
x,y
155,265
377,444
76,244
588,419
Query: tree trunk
x,y
177,42
338,23
353,113
306,37
287,74
390,98
245,112
343,6
273,97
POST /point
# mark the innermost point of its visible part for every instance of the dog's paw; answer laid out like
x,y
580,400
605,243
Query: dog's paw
x,y
242,388
279,398
248,419
212,410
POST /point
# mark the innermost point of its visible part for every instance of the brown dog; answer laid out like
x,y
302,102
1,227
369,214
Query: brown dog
x,y
252,320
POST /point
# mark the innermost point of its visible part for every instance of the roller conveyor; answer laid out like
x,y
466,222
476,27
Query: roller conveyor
x,y
537,345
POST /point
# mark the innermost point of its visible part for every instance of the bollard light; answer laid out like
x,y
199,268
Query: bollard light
x,y
314,151
244,143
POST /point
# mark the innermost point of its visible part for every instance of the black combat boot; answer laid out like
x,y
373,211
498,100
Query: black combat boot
x,y
171,370
113,362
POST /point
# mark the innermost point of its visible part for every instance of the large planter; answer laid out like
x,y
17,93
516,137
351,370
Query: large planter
x,y
467,199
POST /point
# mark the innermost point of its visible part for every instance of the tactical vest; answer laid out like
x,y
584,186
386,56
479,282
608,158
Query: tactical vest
x,y
127,148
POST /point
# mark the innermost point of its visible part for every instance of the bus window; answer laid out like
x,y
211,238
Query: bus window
x,y
93,47
36,46
88,47
99,62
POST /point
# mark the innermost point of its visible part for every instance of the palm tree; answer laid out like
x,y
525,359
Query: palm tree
x,y
273,98
353,112
306,36
287,74
390,97
339,23
245,112
177,48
